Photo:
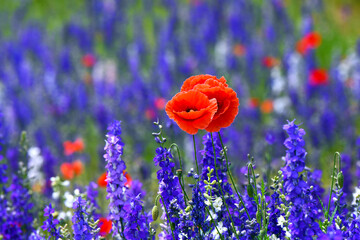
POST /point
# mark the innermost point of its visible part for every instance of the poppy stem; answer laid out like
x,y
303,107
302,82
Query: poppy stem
x,y
206,207
218,181
231,178
197,166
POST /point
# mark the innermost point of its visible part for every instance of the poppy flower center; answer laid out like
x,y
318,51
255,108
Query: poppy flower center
x,y
190,110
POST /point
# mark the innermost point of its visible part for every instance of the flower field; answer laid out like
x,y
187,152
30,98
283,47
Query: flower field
x,y
188,119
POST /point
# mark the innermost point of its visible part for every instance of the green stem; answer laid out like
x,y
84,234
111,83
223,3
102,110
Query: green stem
x,y
197,166
231,178
218,181
254,179
168,218
181,179
337,154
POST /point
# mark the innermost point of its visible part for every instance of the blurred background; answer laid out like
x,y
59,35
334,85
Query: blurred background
x,y
68,68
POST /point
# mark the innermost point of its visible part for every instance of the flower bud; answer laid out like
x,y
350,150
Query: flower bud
x,y
340,179
250,191
155,212
258,216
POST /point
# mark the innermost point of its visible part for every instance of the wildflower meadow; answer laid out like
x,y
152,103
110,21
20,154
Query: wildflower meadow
x,y
179,119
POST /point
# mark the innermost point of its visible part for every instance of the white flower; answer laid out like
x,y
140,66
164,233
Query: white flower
x,y
220,228
281,220
67,215
217,204
183,236
34,152
35,163
55,195
356,194
65,183
278,81
69,200
282,104
77,192
273,237
212,216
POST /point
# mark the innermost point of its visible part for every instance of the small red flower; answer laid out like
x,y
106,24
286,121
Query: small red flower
x,y
253,102
78,167
267,106
128,180
309,41
150,114
160,103
226,98
72,147
270,62
88,60
105,226
239,50
191,110
67,171
318,77
102,180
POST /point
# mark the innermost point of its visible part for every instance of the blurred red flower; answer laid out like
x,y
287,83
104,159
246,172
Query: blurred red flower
x,y
160,103
128,180
67,171
191,110
88,60
267,106
102,180
310,41
318,77
270,61
105,226
78,167
239,50
72,147
253,102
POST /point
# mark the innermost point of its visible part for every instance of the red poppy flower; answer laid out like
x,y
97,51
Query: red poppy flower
x,y
78,167
191,82
270,62
191,110
88,60
318,77
102,180
67,171
72,147
105,226
309,41
227,101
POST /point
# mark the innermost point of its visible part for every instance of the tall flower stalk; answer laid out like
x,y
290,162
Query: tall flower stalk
x,y
115,177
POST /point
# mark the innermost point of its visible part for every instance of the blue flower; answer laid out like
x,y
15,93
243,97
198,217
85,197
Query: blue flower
x,y
50,223
116,180
305,205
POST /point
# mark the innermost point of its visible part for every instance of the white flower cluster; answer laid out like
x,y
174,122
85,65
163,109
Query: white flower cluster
x,y
35,164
